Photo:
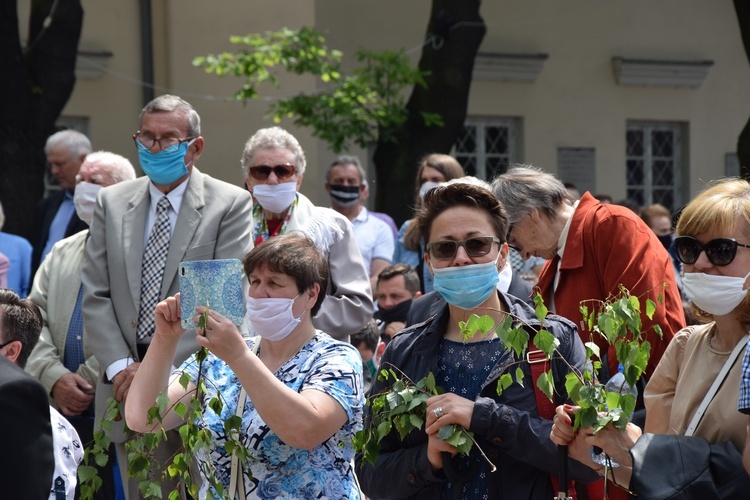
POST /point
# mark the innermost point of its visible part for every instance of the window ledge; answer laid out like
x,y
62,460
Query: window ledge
x,y
506,67
660,73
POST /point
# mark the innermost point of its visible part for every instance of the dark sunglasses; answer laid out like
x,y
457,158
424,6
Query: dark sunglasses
x,y
475,247
283,171
720,251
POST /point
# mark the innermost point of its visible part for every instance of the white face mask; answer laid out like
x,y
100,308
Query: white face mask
x,y
277,197
717,295
426,186
272,318
84,199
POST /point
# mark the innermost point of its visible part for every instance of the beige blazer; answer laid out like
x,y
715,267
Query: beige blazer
x,y
55,291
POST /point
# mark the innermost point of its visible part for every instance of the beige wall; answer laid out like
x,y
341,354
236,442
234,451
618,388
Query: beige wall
x,y
575,102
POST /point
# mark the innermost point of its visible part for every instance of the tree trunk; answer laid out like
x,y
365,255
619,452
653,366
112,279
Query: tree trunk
x,y
456,30
37,82
742,8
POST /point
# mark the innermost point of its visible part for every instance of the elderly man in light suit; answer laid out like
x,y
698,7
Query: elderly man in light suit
x,y
141,232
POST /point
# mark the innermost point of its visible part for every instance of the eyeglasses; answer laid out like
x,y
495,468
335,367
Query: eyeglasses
x,y
507,237
168,144
283,171
475,247
720,251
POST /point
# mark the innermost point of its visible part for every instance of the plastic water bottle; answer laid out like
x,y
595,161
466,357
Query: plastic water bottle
x,y
619,385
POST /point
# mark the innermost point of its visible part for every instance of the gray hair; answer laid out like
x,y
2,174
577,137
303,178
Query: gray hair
x,y
73,141
116,166
168,103
524,187
348,160
273,138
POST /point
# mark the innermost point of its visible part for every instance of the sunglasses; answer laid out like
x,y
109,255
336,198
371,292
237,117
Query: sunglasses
x,y
283,171
475,247
720,251
507,237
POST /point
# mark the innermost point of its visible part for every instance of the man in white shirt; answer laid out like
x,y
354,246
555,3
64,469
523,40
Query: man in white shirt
x,y
345,184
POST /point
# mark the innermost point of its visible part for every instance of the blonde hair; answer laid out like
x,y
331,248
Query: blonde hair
x,y
723,208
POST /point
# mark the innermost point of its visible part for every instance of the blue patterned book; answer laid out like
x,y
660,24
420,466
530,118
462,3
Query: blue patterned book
x,y
216,283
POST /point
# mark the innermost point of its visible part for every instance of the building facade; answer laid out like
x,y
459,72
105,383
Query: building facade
x,y
635,99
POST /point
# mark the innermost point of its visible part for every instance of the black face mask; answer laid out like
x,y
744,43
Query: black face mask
x,y
399,312
666,240
344,196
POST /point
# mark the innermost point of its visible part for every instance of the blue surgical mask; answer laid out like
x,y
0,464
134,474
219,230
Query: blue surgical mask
x,y
166,166
467,286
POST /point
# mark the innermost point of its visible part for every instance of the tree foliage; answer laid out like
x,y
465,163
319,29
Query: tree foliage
x,y
351,107
366,106
37,82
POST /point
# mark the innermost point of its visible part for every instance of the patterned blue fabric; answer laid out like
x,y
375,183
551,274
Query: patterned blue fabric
x,y
74,341
278,470
744,401
464,368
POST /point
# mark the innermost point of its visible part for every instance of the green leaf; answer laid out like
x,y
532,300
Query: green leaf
x,y
540,309
519,376
216,405
86,473
547,342
162,401
592,350
658,331
516,338
416,421
546,384
503,383
573,386
184,380
650,308
181,409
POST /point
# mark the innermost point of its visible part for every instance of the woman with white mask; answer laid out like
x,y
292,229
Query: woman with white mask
x,y
274,166
434,170
695,387
299,391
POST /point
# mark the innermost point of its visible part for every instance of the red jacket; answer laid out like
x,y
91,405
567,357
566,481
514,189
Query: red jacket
x,y
608,246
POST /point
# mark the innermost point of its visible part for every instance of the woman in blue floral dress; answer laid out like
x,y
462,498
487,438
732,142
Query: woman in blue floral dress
x,y
304,389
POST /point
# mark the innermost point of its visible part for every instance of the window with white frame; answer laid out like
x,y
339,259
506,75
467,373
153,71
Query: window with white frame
x,y
655,163
487,146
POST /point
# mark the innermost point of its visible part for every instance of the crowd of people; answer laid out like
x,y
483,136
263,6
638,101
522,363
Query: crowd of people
x,y
92,311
